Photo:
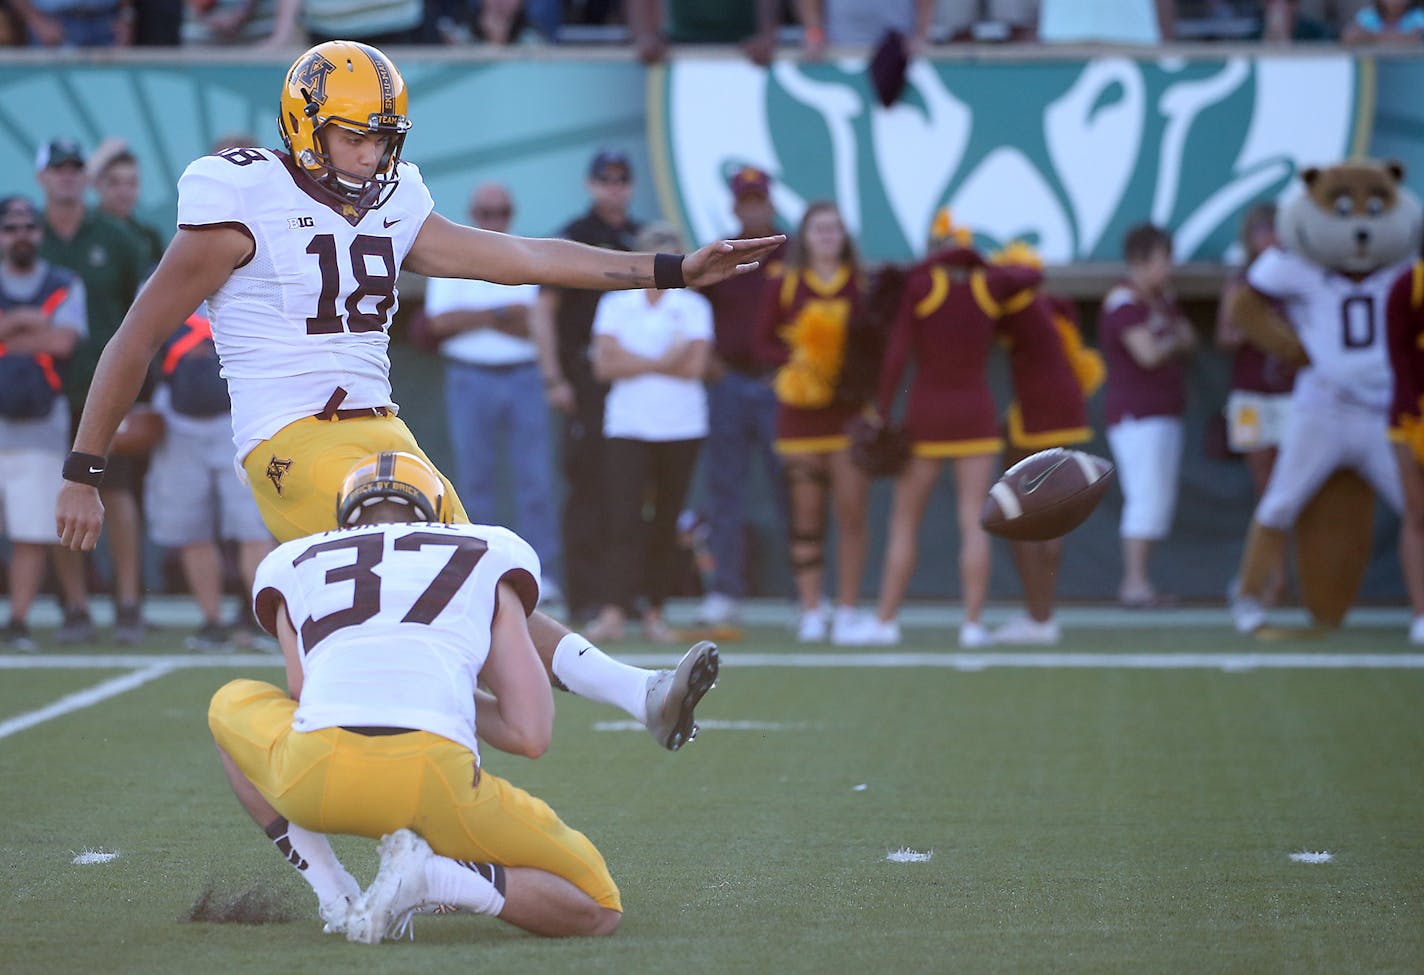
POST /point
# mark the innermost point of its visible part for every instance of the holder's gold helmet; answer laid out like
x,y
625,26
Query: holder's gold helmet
x,y
353,86
392,475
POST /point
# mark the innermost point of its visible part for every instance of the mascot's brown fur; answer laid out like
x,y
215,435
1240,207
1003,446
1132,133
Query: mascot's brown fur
x,y
1353,218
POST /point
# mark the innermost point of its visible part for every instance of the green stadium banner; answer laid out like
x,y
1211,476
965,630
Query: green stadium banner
x,y
1064,152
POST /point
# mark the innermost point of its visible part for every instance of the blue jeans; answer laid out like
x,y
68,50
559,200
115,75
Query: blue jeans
x,y
742,427
499,412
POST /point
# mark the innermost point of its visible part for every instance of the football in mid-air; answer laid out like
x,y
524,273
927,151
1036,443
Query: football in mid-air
x,y
1046,495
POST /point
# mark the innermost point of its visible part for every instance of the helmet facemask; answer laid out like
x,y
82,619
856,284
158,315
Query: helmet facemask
x,y
362,192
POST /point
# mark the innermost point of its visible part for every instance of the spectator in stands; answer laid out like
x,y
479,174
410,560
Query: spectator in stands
x,y
984,20
42,320
1106,21
113,170
742,406
748,23
1258,405
1145,340
1282,21
803,330
1392,23
377,22
651,346
855,23
58,23
111,262
493,394
232,23
193,499
562,327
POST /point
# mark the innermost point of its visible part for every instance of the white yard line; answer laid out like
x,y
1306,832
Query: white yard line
x,y
829,659
83,699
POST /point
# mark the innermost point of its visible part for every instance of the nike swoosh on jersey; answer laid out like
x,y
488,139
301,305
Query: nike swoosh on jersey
x,y
1032,484
389,222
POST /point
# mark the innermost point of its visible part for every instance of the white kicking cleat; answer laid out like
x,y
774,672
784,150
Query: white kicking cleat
x,y
334,915
674,694
398,890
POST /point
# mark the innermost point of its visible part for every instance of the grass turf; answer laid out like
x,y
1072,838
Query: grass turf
x,y
1080,820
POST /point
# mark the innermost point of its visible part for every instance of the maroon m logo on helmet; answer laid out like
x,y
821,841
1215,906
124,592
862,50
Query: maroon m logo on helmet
x,y
310,74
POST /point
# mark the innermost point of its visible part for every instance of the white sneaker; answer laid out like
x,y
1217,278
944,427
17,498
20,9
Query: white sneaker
x,y
1416,630
813,626
846,626
1247,614
674,694
973,635
718,609
1025,629
398,890
872,632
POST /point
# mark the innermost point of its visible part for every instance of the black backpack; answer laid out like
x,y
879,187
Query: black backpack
x,y
193,373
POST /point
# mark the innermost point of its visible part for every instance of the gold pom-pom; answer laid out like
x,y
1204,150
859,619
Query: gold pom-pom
x,y
1018,253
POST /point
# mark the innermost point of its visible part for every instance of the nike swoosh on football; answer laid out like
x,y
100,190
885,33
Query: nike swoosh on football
x,y
389,222
1034,483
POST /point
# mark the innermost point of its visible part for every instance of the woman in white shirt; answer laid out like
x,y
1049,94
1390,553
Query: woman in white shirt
x,y
652,347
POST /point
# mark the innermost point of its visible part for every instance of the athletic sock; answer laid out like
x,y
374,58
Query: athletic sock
x,y
474,887
589,672
312,855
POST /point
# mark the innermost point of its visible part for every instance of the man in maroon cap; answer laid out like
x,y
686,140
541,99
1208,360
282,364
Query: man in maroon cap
x,y
741,404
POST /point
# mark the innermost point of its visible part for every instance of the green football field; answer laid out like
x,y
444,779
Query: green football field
x,y
1130,802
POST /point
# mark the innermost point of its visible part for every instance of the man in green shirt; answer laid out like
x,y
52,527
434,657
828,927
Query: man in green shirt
x,y
112,263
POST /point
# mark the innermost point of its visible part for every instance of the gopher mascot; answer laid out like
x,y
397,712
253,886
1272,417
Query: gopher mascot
x,y
1344,242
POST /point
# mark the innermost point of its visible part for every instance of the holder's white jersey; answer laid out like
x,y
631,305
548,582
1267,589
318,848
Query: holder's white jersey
x,y
309,312
1339,321
393,621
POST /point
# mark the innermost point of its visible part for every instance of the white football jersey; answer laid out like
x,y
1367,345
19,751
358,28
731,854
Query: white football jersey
x,y
393,621
1340,322
309,312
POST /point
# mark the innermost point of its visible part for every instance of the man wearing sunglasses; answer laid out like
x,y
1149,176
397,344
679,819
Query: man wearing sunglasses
x,y
494,400
42,321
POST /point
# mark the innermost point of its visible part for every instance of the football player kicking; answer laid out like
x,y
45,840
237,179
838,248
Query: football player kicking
x,y
297,254
388,625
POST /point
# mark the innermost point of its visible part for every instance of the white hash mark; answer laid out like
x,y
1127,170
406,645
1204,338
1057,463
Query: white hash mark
x,y
907,855
86,857
1311,856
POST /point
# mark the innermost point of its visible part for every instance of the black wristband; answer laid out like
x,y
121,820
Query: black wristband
x,y
84,468
667,271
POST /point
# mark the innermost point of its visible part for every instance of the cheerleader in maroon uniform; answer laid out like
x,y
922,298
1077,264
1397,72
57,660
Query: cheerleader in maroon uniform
x,y
948,317
1405,316
803,331
1053,376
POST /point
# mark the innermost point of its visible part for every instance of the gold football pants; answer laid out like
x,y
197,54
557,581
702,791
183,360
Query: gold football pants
x,y
337,781
296,473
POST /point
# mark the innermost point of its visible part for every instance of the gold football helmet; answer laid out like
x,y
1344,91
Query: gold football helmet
x,y
353,86
392,475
